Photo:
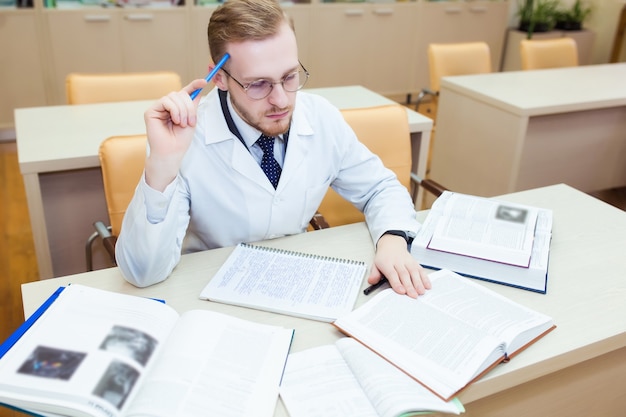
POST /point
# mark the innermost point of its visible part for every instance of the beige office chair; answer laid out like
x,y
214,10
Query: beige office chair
x,y
122,160
104,88
385,131
548,53
446,59
113,87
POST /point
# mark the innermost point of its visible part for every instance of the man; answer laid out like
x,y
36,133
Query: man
x,y
204,184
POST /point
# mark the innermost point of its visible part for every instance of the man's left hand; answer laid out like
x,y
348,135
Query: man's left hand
x,y
393,261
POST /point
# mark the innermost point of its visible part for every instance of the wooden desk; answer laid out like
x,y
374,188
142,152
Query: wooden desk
x,y
58,157
577,370
504,132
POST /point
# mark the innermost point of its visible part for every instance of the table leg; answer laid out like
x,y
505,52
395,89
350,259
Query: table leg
x,y
38,224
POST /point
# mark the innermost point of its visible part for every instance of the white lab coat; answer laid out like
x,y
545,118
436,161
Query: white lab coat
x,y
221,196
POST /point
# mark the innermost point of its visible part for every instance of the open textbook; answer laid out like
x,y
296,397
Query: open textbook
x,y
489,239
347,378
448,337
298,284
96,353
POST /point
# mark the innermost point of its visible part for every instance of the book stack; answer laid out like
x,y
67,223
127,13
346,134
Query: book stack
x,y
487,239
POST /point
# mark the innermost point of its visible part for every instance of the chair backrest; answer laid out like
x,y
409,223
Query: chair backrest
x,y
385,131
122,159
104,88
445,59
548,53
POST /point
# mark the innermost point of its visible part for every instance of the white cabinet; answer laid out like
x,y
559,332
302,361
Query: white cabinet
x,y
22,82
199,42
380,45
444,22
155,40
102,40
81,41
301,18
366,44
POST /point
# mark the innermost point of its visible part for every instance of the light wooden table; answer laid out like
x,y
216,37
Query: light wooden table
x,y
58,157
579,369
510,131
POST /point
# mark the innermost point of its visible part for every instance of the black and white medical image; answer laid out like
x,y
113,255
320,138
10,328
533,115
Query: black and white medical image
x,y
511,214
131,343
116,383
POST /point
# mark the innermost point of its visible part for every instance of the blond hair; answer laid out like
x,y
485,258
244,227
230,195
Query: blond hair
x,y
242,20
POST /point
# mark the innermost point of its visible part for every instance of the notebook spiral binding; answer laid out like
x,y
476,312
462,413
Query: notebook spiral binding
x,y
303,255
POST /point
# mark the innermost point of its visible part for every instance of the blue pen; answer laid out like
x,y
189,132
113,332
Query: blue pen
x,y
211,74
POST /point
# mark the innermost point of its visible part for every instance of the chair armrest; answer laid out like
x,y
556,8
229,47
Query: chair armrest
x,y
428,92
318,222
433,187
425,92
108,240
429,185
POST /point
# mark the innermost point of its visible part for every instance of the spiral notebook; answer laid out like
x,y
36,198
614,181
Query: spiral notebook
x,y
281,281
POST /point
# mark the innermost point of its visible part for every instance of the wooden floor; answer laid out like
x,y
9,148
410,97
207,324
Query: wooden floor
x,y
17,254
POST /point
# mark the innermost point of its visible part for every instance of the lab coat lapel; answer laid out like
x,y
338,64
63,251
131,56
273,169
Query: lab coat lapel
x,y
297,149
244,163
239,156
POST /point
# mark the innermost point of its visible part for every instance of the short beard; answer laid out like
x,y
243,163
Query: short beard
x,y
276,128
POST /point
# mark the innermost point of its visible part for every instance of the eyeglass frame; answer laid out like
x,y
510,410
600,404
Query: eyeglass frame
x,y
272,84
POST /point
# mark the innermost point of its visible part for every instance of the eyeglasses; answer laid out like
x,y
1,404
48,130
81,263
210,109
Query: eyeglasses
x,y
259,89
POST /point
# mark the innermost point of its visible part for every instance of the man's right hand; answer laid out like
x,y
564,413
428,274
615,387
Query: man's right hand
x,y
170,125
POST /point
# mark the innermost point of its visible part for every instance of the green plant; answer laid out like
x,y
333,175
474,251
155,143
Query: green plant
x,y
537,15
573,17
525,10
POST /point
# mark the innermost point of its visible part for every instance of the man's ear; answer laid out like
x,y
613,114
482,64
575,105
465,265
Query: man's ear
x,y
219,79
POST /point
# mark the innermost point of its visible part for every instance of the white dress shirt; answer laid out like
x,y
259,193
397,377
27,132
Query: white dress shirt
x,y
221,196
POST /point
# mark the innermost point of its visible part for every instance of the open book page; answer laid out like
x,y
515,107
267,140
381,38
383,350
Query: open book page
x,y
541,244
349,379
484,228
475,305
439,351
216,365
446,337
87,352
319,383
287,282
391,391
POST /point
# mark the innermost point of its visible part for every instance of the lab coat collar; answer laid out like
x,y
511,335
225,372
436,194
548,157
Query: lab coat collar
x,y
300,133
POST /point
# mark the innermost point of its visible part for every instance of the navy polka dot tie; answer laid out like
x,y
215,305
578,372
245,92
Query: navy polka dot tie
x,y
268,163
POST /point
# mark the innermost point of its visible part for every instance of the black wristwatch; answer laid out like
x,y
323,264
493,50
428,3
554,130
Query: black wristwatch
x,y
409,240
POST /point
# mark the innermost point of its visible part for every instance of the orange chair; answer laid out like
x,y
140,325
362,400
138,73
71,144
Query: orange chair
x,y
385,132
104,88
446,59
548,53
122,160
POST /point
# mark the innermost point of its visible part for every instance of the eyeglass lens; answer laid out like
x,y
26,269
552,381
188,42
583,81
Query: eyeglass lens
x,y
291,82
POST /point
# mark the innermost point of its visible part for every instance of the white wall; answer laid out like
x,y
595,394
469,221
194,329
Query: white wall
x,y
603,21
